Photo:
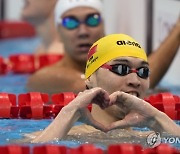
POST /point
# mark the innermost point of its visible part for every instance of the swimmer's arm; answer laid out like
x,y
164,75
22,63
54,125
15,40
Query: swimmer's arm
x,y
163,124
160,60
60,126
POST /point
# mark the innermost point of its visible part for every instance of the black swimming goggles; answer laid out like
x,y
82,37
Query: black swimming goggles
x,y
71,22
122,70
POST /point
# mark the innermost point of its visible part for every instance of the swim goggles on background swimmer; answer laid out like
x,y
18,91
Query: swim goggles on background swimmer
x,y
71,22
122,70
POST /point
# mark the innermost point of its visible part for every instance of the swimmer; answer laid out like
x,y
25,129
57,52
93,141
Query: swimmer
x,y
80,24
117,77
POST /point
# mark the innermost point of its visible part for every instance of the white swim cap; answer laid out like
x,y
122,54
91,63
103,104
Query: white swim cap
x,y
64,5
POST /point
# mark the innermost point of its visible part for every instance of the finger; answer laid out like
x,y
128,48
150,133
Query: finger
x,y
123,99
102,103
106,98
113,97
102,98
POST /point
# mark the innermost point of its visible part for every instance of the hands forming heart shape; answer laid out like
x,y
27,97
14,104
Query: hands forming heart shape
x,y
138,112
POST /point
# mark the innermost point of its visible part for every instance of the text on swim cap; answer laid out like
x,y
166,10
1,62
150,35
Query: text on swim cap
x,y
91,60
128,43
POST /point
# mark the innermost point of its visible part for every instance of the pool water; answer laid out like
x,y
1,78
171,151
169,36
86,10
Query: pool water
x,y
12,130
16,46
12,83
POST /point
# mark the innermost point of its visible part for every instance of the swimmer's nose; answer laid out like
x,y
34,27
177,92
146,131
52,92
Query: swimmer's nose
x,y
83,31
133,80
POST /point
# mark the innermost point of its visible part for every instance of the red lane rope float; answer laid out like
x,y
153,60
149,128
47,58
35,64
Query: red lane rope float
x,y
45,60
8,108
14,149
50,149
3,66
87,149
16,29
167,103
32,105
125,149
38,105
62,99
27,63
22,63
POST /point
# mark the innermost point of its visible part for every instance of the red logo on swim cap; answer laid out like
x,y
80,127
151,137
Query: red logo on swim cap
x,y
92,51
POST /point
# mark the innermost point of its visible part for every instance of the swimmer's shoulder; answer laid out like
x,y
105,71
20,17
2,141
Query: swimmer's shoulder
x,y
56,47
56,78
54,71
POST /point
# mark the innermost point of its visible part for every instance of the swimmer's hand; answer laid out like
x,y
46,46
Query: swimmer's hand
x,y
140,113
93,96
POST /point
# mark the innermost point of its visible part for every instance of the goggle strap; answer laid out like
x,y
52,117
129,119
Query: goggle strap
x,y
133,71
106,66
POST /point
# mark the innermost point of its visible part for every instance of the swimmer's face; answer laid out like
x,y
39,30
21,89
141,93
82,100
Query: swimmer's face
x,y
78,41
36,11
130,83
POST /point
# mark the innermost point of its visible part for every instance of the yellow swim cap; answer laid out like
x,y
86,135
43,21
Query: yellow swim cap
x,y
111,47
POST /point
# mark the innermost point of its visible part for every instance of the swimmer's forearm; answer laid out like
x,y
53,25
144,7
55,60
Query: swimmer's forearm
x,y
163,124
60,126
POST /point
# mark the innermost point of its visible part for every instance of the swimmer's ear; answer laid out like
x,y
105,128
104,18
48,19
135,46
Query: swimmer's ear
x,y
91,81
88,83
